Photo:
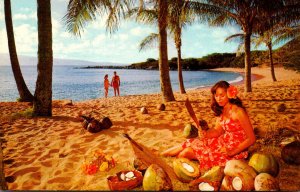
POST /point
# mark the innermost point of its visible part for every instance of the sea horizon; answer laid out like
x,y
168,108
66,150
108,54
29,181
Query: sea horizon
x,y
77,84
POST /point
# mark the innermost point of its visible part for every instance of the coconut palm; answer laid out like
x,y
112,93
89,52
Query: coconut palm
x,y
272,24
243,13
82,11
176,21
24,92
42,104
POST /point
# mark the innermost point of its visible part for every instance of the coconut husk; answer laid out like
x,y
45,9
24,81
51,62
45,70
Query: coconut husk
x,y
148,157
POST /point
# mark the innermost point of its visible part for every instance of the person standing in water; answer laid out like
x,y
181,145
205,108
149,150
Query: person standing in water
x,y
106,85
115,83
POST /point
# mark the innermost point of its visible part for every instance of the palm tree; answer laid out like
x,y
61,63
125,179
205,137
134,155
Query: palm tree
x,y
24,92
165,81
238,12
82,11
42,104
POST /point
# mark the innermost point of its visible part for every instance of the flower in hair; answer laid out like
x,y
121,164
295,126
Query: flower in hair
x,y
232,92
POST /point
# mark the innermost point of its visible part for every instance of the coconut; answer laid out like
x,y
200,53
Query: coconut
x,y
226,184
161,107
264,163
185,169
234,167
144,110
206,187
241,173
216,173
281,107
155,179
291,153
190,131
265,182
210,181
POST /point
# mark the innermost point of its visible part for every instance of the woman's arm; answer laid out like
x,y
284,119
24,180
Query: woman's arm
x,y
244,120
216,131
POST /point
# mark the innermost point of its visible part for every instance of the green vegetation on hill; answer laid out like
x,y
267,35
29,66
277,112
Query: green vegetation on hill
x,y
287,55
207,62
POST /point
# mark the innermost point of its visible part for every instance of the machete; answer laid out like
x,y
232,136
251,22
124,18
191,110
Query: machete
x,y
191,112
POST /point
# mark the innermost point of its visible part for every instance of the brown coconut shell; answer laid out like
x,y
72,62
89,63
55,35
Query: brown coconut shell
x,y
290,153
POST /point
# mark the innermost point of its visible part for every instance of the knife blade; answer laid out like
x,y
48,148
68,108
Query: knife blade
x,y
191,112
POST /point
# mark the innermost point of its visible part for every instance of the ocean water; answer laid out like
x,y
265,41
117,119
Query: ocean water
x,y
70,82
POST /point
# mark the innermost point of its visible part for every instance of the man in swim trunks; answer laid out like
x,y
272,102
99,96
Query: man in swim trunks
x,y
115,83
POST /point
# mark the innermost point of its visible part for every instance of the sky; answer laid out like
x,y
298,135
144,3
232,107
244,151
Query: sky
x,y
96,44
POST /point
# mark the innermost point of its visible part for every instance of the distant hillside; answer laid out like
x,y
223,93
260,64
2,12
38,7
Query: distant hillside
x,y
288,56
27,60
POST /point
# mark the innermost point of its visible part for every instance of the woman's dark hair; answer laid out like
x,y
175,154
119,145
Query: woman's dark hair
x,y
215,106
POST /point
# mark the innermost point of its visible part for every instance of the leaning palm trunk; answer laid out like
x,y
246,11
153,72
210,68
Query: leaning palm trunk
x,y
271,61
165,81
24,92
42,105
247,63
179,66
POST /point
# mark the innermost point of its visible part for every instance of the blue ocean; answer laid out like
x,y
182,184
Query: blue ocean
x,y
71,82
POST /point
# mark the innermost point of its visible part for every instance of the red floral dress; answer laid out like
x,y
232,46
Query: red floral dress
x,y
209,151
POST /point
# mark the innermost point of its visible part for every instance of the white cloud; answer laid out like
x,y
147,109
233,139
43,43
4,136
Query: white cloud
x,y
140,31
20,16
3,40
26,39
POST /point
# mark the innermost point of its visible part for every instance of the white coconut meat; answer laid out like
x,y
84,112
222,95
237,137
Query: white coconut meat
x,y
130,174
237,183
205,187
122,176
188,167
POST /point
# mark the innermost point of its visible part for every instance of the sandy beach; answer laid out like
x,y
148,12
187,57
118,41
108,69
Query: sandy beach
x,y
48,153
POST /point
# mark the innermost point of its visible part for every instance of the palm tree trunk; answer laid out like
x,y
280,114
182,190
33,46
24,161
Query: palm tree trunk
x,y
24,92
271,61
248,87
42,105
165,81
179,66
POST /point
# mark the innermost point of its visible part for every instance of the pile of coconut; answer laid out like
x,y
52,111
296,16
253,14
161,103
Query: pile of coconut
x,y
259,173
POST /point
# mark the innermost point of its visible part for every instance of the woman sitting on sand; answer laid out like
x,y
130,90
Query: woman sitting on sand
x,y
229,139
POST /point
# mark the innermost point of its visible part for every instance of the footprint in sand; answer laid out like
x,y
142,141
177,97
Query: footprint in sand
x,y
8,161
10,179
46,163
59,180
26,170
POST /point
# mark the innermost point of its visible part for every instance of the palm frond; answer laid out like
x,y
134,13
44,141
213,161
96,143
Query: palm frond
x,y
286,34
235,37
79,13
149,41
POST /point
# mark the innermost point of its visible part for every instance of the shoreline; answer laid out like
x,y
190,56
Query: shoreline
x,y
47,153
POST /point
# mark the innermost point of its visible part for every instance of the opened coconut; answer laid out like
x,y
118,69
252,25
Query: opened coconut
x,y
291,153
265,182
190,131
185,169
241,173
155,179
264,163
210,181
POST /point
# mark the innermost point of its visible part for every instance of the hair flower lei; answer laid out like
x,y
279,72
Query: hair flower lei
x,y
232,92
